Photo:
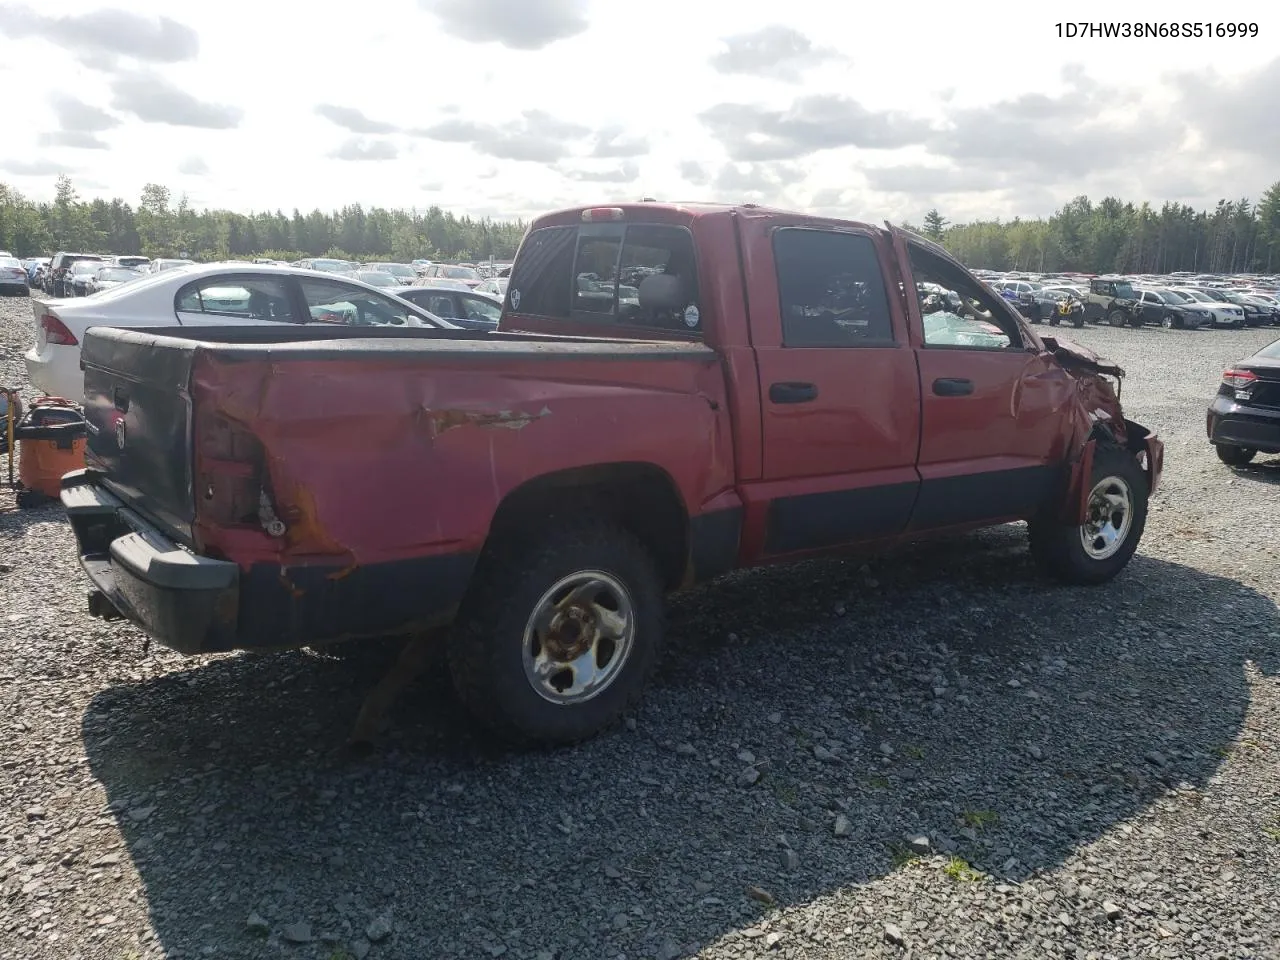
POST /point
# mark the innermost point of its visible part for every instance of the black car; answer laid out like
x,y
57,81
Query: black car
x,y
1158,306
1244,418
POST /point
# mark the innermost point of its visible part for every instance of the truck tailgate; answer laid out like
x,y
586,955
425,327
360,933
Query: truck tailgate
x,y
138,406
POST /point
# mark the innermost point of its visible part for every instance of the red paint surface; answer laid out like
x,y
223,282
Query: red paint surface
x,y
376,460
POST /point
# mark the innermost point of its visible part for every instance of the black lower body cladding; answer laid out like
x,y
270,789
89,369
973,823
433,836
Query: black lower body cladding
x,y
195,604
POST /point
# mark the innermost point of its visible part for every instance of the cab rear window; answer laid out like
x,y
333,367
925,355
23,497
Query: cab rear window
x,y
601,273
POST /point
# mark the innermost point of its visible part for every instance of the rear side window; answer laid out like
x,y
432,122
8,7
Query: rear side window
x,y
636,275
253,298
831,290
540,278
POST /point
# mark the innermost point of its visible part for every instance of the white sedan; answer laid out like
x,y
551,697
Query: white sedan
x,y
205,295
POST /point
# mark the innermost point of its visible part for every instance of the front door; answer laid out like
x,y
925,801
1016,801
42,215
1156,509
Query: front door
x,y
840,403
994,429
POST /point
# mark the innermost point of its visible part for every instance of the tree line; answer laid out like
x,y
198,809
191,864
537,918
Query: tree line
x,y
160,226
1237,236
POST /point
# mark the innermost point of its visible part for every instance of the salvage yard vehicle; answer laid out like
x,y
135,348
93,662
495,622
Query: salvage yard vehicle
x,y
1244,418
1169,310
773,390
1113,300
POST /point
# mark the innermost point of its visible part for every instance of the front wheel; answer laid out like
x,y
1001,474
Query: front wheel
x,y
560,633
1115,516
1117,318
1234,456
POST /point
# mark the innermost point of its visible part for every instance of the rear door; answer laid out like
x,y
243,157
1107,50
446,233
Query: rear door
x,y
840,395
235,298
994,435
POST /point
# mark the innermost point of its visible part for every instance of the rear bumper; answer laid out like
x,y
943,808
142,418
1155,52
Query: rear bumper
x,y
185,602
194,604
56,370
1232,424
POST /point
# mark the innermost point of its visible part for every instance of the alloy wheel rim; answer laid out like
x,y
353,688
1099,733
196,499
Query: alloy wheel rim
x,y
579,637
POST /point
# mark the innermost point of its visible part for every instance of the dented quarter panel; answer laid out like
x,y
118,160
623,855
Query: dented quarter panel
x,y
446,441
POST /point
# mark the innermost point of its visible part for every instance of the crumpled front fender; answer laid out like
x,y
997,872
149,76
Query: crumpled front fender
x,y
1144,444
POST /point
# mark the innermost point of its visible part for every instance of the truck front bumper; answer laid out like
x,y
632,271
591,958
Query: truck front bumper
x,y
185,602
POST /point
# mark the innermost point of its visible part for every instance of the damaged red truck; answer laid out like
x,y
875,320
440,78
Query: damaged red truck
x,y
674,391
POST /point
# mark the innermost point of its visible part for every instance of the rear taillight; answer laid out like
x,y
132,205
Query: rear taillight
x,y
229,472
56,332
1239,379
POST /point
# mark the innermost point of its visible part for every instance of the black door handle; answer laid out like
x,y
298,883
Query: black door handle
x,y
952,387
792,392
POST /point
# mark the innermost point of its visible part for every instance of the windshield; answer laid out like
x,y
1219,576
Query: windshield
x,y
1195,296
459,273
1124,289
1215,295
398,270
1167,296
10,262
118,276
377,278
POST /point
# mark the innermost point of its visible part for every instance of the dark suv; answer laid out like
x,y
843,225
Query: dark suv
x,y
58,280
1114,300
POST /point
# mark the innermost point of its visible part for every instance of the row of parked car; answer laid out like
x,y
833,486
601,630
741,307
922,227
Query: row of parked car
x,y
68,274
1180,301
230,293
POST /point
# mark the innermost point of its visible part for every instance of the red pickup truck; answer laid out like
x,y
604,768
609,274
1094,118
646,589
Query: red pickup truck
x,y
674,391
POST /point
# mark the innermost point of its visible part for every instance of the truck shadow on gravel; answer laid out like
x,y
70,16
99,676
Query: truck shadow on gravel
x,y
947,691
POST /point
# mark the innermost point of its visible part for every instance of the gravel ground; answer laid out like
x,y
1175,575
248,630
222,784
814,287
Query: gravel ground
x,y
939,754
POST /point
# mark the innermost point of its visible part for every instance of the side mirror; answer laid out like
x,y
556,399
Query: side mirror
x,y
661,291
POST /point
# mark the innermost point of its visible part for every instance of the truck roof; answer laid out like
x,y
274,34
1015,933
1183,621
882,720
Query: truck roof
x,y
670,212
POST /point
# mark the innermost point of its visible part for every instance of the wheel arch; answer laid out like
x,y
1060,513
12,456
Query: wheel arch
x,y
641,497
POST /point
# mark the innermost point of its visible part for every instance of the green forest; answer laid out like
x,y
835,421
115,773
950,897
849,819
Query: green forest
x,y
1237,236
162,226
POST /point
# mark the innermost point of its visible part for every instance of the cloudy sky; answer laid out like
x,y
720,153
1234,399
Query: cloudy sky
x,y
510,107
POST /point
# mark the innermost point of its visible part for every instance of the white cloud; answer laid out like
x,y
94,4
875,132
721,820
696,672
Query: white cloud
x,y
512,106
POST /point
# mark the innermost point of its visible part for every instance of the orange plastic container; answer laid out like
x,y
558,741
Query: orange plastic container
x,y
51,441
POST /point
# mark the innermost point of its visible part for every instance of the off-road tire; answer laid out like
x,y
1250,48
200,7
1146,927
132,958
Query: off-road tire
x,y
485,645
1058,548
1117,318
1234,456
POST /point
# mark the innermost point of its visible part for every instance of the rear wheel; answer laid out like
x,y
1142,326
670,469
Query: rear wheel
x,y
560,633
1235,456
1115,516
